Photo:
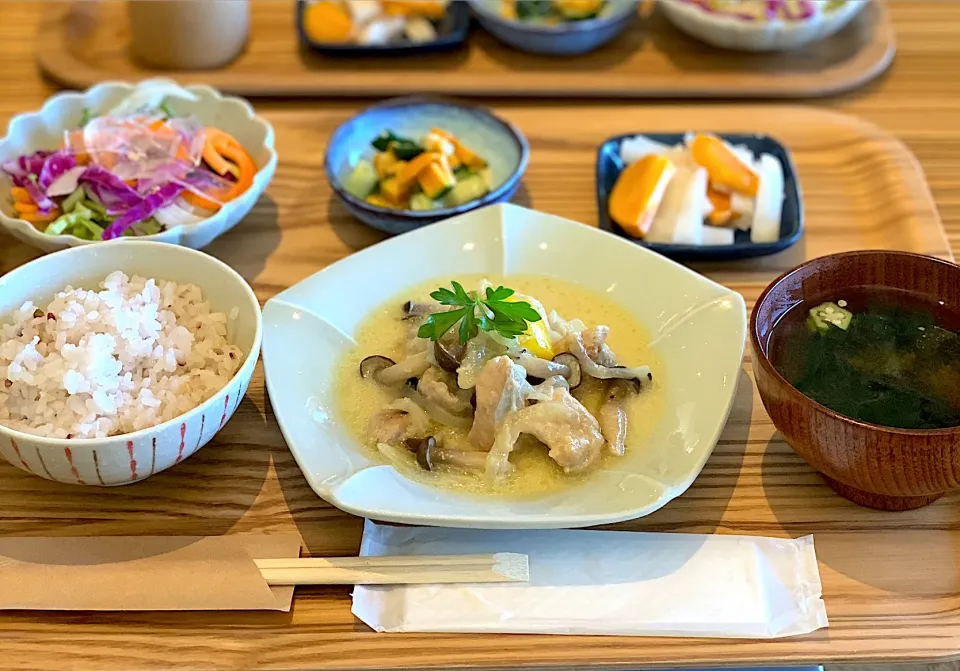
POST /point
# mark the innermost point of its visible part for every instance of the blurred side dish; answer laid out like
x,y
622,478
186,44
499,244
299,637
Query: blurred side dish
x,y
373,22
698,192
769,10
551,11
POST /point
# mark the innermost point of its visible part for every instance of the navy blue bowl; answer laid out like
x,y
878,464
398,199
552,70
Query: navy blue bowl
x,y
609,167
497,141
565,39
451,33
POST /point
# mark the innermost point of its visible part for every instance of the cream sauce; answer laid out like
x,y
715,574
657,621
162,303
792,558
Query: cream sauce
x,y
535,474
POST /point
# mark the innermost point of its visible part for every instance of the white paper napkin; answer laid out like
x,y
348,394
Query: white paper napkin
x,y
605,582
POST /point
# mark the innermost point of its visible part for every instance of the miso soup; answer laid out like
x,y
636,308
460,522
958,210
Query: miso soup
x,y
878,355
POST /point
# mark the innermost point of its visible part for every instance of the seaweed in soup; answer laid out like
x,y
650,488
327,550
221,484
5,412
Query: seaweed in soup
x,y
895,364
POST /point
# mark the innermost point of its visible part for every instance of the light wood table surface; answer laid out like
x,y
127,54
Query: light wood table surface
x,y
297,230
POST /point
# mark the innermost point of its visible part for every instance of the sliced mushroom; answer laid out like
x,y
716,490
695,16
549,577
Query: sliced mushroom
x,y
412,366
425,453
430,455
574,373
371,367
636,383
414,310
641,374
449,354
613,414
538,368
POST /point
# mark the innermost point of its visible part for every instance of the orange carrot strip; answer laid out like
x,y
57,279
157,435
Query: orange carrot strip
x,y
38,219
244,162
211,153
21,195
199,201
218,147
25,208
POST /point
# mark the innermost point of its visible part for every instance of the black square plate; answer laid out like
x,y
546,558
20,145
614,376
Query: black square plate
x,y
609,167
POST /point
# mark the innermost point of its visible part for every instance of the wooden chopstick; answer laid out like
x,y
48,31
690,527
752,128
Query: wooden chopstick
x,y
500,567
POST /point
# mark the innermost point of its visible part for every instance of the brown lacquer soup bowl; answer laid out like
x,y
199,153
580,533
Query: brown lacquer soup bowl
x,y
872,465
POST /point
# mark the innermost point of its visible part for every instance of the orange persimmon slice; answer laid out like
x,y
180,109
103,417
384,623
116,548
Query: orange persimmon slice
x,y
327,22
723,166
723,213
637,194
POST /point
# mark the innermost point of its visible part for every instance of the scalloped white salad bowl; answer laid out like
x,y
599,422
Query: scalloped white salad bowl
x,y
44,130
745,32
697,330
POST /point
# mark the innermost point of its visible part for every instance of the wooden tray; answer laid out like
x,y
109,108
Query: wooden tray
x,y
891,580
88,44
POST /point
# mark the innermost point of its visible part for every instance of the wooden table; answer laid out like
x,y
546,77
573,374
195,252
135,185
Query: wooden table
x,y
247,480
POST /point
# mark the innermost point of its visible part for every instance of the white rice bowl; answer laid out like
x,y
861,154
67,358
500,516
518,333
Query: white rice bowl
x,y
130,354
197,311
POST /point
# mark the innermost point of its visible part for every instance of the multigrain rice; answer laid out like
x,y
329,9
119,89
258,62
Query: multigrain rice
x,y
91,364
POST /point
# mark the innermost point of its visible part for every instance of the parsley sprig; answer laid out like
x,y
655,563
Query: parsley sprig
x,y
491,313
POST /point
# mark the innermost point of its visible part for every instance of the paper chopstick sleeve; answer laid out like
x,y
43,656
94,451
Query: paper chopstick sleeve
x,y
143,573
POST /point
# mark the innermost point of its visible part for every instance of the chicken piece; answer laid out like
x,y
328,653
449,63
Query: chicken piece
x,y
399,421
441,388
570,432
545,390
613,414
563,328
595,342
389,426
502,389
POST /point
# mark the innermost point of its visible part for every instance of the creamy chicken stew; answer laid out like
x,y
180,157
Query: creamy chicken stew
x,y
514,394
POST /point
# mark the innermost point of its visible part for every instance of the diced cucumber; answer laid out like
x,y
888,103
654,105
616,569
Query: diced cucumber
x,y
462,172
825,315
487,176
362,180
95,207
420,202
466,190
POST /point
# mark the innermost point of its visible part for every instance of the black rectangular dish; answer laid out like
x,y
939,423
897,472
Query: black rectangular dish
x,y
451,32
609,167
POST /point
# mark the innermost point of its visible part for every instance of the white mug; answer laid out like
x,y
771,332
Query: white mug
x,y
188,34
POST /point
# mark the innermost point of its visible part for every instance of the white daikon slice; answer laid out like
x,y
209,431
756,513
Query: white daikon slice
x,y
768,208
717,235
